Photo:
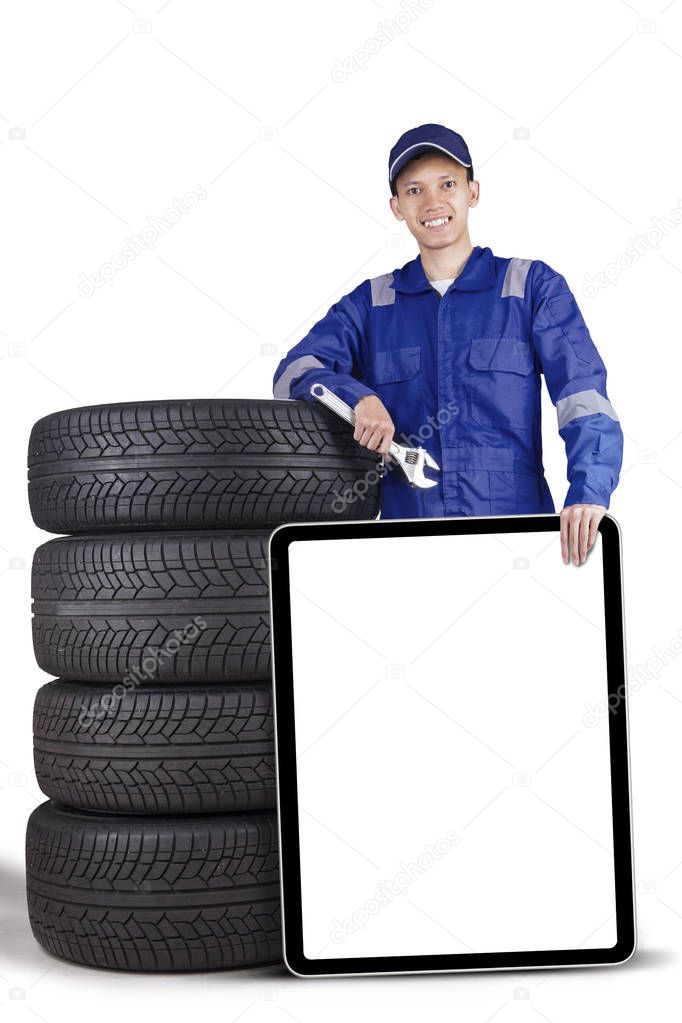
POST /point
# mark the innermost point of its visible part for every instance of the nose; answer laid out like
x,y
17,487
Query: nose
x,y
432,212
434,202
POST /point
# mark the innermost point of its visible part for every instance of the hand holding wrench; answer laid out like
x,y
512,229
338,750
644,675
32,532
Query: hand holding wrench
x,y
410,460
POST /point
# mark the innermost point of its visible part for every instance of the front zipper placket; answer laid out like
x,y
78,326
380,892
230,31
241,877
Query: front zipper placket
x,y
442,403
440,332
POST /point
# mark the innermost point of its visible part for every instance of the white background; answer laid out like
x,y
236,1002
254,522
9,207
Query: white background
x,y
241,99
453,714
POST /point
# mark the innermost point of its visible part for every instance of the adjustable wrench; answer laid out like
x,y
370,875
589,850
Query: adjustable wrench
x,y
410,460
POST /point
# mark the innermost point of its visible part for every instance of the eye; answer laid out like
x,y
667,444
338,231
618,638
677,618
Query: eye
x,y
412,189
450,181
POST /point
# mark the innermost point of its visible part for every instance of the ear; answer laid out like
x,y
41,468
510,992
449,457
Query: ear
x,y
474,193
395,206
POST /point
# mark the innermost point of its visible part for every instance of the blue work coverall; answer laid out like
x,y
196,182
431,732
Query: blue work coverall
x,y
460,376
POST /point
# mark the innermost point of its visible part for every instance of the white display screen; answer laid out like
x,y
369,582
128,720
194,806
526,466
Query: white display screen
x,y
452,749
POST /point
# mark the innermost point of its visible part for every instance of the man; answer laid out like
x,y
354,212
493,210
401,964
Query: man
x,y
448,351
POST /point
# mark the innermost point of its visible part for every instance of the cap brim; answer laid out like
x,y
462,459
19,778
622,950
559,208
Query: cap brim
x,y
416,150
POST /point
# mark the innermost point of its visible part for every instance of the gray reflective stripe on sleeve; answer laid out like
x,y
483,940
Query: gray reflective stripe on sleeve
x,y
282,388
583,403
382,294
514,283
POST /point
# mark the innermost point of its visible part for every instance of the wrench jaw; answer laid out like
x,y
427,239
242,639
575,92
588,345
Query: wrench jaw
x,y
418,477
425,458
411,461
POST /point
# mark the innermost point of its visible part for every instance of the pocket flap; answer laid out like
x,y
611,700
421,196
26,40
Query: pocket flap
x,y
396,364
511,355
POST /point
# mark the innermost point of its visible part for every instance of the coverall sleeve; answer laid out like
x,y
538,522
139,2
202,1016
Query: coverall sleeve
x,y
576,380
328,354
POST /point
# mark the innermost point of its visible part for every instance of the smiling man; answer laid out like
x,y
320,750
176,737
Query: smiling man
x,y
447,352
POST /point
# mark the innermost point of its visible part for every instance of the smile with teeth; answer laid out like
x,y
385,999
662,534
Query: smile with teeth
x,y
437,222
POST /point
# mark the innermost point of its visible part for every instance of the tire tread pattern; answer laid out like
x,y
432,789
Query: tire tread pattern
x,y
156,750
221,577
154,894
195,464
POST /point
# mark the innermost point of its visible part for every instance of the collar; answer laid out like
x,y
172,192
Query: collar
x,y
478,273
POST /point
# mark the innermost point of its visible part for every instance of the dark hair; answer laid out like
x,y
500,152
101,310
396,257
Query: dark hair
x,y
394,190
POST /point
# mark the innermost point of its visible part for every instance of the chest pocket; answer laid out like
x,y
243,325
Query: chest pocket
x,y
395,365
502,385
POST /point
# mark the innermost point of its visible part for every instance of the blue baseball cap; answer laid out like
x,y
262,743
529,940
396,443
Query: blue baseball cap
x,y
422,139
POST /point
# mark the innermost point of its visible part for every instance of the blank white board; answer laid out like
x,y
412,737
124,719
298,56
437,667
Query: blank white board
x,y
452,764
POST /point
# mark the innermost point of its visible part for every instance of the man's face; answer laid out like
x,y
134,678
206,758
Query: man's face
x,y
433,199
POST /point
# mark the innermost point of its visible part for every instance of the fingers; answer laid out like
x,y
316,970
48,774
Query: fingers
x,y
384,439
578,528
574,520
374,428
593,530
367,430
377,438
563,535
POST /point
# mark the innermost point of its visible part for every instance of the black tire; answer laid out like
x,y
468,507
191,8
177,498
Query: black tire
x,y
156,750
157,894
164,607
202,464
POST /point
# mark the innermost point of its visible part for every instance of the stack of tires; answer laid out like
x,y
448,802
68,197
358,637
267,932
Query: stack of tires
x,y
157,848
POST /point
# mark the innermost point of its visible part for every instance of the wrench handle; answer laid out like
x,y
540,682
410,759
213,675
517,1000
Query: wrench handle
x,y
333,402
339,406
